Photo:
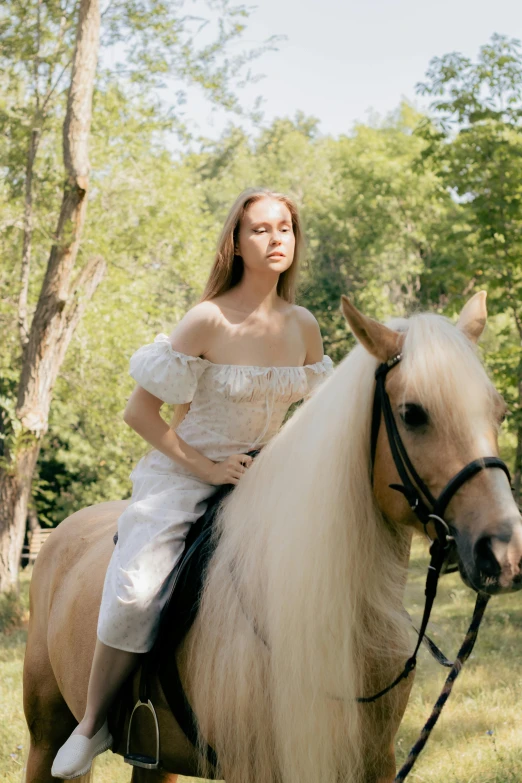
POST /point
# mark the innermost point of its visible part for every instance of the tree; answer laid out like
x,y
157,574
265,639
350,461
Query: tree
x,y
368,213
474,144
164,45
37,47
60,305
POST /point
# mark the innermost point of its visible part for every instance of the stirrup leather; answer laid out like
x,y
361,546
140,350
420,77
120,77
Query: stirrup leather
x,y
140,759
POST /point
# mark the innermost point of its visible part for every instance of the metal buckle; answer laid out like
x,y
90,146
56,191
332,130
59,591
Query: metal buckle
x,y
394,360
443,522
139,759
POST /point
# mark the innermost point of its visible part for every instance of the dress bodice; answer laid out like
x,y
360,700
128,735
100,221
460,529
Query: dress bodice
x,y
234,407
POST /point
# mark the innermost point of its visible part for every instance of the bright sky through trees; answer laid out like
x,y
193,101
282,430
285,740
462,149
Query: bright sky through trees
x,y
342,60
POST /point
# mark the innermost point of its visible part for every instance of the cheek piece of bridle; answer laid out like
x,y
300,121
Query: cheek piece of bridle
x,y
429,510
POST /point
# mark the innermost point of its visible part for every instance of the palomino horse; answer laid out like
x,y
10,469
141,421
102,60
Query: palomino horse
x,y
315,551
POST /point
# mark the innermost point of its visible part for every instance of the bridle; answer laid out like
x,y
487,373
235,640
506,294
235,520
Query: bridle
x,y
427,509
413,487
424,505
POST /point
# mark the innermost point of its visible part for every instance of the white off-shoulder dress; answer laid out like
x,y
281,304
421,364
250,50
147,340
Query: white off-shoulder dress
x,y
234,409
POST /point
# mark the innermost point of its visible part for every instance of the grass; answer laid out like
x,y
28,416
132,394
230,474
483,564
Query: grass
x,y
479,735
478,738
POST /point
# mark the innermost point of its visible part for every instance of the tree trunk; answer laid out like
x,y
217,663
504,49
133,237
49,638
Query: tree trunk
x,y
60,305
517,478
33,523
28,238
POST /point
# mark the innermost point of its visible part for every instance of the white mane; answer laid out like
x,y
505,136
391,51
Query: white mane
x,y
305,557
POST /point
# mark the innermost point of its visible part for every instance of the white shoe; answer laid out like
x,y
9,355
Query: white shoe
x,y
75,757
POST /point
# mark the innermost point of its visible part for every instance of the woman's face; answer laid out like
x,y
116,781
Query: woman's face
x,y
266,238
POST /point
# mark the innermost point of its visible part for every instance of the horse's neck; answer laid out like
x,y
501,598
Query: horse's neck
x,y
381,626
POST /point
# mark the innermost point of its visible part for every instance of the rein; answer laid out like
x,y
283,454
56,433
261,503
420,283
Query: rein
x,y
420,499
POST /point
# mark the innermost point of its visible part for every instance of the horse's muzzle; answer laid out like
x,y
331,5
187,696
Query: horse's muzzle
x,y
492,564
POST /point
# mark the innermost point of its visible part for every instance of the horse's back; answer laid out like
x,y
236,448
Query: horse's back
x,y
65,595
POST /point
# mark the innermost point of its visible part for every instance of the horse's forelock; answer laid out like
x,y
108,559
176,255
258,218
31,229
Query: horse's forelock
x,y
441,370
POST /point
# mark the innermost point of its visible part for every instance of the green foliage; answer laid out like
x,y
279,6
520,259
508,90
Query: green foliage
x,y
166,44
474,146
406,213
146,214
368,229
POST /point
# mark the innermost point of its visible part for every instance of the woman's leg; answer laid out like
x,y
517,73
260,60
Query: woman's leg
x,y
110,667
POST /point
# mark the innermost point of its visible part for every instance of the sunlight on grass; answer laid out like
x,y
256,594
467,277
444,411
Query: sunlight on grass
x,y
479,735
478,738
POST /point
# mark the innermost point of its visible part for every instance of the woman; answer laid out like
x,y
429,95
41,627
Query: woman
x,y
233,365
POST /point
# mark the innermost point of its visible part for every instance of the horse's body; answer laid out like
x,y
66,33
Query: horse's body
x,y
61,639
318,558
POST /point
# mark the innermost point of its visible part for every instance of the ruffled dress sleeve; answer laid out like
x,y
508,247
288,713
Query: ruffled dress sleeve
x,y
168,374
317,373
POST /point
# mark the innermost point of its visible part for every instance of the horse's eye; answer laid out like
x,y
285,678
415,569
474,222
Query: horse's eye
x,y
413,415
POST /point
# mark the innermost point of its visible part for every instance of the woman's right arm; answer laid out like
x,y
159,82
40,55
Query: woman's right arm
x,y
142,411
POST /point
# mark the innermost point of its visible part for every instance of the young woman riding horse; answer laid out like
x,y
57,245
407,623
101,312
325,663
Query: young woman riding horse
x,y
240,357
312,545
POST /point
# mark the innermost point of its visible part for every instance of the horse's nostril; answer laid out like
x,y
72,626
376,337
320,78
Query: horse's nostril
x,y
485,560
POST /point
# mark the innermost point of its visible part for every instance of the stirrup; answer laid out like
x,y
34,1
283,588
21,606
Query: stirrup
x,y
140,759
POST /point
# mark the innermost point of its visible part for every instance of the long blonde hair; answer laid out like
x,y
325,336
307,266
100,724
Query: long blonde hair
x,y
227,269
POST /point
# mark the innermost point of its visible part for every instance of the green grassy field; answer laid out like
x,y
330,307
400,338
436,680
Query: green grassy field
x,y
479,735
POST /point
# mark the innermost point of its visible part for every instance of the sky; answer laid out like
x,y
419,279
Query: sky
x,y
341,60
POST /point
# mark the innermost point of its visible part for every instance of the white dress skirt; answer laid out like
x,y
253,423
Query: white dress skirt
x,y
234,409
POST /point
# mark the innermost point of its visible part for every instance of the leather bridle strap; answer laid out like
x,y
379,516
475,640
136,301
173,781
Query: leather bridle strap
x,y
460,660
418,496
413,487
438,555
464,475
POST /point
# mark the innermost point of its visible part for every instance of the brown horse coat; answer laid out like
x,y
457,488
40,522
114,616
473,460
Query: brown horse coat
x,y
65,595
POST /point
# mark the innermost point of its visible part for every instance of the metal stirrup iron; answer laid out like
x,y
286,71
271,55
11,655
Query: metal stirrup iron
x,y
140,759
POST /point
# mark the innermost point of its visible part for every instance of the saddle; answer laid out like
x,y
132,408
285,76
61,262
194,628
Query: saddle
x,y
177,617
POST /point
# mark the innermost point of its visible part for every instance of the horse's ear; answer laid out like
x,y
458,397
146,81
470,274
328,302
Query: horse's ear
x,y
379,340
472,318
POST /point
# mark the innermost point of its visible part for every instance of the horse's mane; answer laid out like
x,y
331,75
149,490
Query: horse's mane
x,y
306,559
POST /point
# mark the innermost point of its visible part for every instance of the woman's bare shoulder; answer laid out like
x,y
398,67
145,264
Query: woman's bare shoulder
x,y
305,318
311,333
194,333
207,312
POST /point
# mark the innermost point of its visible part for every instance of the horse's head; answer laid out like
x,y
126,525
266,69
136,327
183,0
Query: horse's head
x,y
447,414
